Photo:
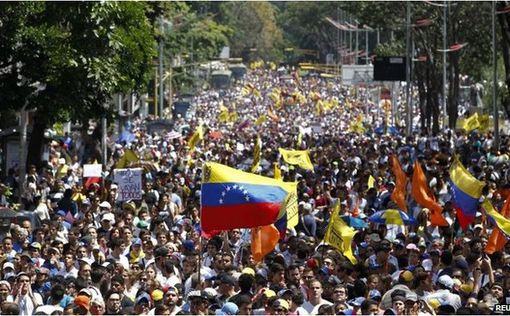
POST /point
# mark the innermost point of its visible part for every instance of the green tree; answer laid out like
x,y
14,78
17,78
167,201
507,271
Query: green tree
x,y
78,54
254,25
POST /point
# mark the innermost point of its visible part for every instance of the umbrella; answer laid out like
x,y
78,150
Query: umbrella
x,y
354,222
391,216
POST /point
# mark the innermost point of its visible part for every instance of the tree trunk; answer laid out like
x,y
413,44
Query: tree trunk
x,y
456,86
36,142
422,93
430,90
435,101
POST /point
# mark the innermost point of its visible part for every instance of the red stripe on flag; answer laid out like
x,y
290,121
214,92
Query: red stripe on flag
x,y
239,216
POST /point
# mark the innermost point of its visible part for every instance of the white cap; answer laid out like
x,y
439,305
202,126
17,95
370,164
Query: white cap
x,y
8,265
445,280
109,217
105,204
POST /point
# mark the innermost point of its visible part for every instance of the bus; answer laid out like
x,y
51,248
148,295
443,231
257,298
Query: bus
x,y
220,79
238,71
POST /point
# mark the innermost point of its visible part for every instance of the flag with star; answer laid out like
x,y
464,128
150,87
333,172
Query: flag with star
x,y
235,199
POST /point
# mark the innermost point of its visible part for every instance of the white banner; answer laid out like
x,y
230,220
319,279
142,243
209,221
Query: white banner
x,y
129,182
92,170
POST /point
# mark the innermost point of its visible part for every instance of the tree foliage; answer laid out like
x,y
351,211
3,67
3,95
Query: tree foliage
x,y
80,52
254,25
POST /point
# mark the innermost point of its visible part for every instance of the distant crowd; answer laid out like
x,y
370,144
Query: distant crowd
x,y
87,253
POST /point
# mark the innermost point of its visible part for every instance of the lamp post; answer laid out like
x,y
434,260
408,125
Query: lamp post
x,y
494,78
160,67
445,113
409,128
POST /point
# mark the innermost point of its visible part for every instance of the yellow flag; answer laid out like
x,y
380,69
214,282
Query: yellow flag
x,y
340,235
257,154
357,126
224,116
291,205
319,107
297,157
277,171
471,123
299,139
484,122
233,117
261,119
371,182
129,157
196,138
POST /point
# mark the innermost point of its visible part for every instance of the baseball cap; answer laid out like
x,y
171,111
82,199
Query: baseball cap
x,y
36,245
108,217
375,294
9,275
142,224
269,293
82,301
227,279
281,303
143,297
172,289
411,297
249,271
188,245
412,247
86,292
284,291
8,265
105,204
228,308
446,281
157,295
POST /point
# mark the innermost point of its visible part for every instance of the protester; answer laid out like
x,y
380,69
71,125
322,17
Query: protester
x,y
91,251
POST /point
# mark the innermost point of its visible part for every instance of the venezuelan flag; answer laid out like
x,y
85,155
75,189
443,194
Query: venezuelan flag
x,y
466,191
391,216
235,199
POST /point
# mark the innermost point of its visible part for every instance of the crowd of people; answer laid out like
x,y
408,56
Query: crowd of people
x,y
89,253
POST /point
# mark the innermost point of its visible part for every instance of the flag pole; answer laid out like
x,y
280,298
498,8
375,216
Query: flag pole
x,y
199,259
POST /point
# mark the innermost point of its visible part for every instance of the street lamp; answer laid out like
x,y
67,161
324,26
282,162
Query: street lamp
x,y
164,26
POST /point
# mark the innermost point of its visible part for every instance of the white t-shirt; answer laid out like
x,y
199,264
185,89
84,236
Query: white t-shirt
x,y
314,309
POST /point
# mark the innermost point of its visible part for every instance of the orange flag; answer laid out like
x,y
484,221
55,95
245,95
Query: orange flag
x,y
399,193
424,196
263,241
497,240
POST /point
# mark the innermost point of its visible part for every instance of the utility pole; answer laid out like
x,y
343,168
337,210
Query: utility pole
x,y
409,128
445,112
357,37
160,66
494,78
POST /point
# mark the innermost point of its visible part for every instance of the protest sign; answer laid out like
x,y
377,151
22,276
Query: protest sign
x,y
129,182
